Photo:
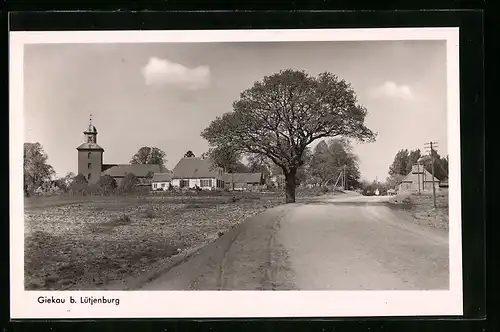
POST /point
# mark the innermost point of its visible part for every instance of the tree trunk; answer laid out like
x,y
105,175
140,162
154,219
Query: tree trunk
x,y
290,186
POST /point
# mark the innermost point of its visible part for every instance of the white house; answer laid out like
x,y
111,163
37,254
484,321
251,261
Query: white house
x,y
194,172
161,181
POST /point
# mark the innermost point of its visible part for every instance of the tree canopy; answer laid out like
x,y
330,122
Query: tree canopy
x,y
189,154
149,155
224,157
36,168
279,116
330,158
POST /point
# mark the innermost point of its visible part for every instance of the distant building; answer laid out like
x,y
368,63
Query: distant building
x,y
243,181
161,181
418,179
195,172
90,162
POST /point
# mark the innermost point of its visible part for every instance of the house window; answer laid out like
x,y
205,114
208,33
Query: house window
x,y
184,183
154,185
90,155
89,166
206,183
163,185
88,177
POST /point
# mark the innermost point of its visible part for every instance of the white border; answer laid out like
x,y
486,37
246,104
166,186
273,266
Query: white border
x,y
235,303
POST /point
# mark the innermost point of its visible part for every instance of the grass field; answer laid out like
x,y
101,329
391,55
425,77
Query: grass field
x,y
422,209
90,241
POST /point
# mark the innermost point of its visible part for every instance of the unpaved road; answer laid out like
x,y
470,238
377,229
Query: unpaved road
x,y
340,243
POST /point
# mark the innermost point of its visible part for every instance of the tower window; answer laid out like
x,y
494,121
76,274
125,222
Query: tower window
x,y
89,166
88,177
90,155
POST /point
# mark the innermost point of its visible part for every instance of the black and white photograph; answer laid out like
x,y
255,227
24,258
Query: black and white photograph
x,y
254,166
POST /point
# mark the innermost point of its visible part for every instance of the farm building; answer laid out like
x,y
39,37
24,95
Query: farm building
x,y
195,172
243,181
90,162
161,181
418,179
143,172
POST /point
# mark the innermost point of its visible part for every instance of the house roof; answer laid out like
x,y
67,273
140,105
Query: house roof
x,y
417,169
162,177
193,168
424,175
243,177
140,170
89,146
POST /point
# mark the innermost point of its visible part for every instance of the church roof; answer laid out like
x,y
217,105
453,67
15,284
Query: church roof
x,y
194,168
89,146
139,170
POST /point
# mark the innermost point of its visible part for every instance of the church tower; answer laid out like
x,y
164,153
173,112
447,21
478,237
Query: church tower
x,y
90,155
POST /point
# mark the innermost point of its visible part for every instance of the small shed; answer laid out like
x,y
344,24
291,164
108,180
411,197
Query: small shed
x,y
243,181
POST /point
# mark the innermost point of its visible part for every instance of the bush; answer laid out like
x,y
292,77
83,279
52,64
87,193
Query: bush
x,y
80,178
128,184
106,184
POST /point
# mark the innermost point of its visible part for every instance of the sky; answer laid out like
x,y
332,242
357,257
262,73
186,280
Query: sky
x,y
165,94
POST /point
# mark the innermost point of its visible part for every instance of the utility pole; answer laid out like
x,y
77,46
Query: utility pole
x,y
418,175
345,178
432,145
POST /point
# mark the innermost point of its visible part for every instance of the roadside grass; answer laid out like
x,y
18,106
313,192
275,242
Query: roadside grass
x,y
77,243
421,207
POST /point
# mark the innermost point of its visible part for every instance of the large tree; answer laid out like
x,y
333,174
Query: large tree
x,y
331,158
36,168
149,155
224,158
401,163
440,165
279,116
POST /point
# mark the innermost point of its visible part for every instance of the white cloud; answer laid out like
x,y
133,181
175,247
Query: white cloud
x,y
392,90
165,72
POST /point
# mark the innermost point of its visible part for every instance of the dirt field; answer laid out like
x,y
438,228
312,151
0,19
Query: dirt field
x,y
88,242
422,208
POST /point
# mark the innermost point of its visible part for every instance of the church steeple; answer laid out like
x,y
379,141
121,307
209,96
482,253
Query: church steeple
x,y
90,133
90,155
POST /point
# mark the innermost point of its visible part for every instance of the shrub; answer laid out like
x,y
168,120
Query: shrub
x,y
80,178
106,184
128,184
